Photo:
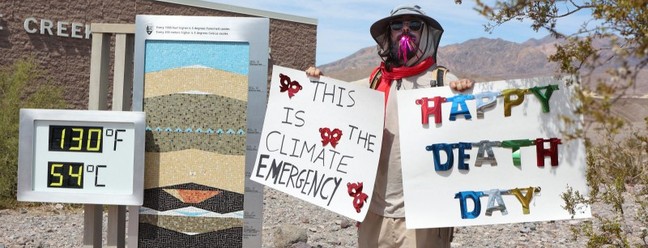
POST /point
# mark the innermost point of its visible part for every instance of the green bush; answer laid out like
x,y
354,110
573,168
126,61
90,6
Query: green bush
x,y
15,94
613,167
617,176
612,39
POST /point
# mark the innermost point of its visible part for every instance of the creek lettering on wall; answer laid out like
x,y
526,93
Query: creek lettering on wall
x,y
66,29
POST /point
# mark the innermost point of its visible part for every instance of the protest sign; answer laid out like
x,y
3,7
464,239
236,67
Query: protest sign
x,y
321,141
495,154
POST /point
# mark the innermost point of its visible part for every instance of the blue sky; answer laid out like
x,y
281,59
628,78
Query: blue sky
x,y
343,25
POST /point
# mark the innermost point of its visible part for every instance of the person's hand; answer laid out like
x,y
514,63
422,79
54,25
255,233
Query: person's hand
x,y
462,84
314,72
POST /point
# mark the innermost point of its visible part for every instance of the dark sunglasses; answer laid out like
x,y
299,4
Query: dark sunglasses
x,y
413,25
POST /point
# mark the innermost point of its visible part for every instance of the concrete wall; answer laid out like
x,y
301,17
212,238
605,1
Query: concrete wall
x,y
65,54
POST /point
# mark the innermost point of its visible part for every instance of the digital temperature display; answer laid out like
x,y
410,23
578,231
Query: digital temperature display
x,y
75,139
81,156
65,175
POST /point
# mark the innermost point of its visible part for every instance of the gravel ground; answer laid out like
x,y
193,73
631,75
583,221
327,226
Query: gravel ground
x,y
55,225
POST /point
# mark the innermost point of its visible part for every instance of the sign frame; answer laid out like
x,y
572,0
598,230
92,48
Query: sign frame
x,y
27,152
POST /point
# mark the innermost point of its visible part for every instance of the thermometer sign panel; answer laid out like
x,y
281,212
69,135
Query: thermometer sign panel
x,y
81,156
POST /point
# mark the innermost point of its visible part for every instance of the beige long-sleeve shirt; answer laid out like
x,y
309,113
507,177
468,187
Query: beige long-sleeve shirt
x,y
387,199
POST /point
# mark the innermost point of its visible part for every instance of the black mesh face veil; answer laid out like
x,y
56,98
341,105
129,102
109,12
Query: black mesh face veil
x,y
428,43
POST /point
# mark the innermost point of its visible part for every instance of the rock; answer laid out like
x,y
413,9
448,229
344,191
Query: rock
x,y
345,223
300,245
287,235
574,222
528,227
335,243
22,241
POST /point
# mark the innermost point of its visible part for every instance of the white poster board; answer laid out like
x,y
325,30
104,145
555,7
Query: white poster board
x,y
443,194
321,141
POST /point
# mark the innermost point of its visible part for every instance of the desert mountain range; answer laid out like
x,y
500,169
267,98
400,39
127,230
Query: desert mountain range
x,y
485,59
481,59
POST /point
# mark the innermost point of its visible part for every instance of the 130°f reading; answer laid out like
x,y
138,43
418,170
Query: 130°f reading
x,y
80,138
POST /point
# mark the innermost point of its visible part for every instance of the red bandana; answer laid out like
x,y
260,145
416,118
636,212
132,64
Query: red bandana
x,y
400,72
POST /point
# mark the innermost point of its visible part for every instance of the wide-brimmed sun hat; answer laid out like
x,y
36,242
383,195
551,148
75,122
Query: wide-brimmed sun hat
x,y
380,27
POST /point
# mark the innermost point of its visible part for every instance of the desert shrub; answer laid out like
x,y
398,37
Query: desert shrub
x,y
613,40
18,90
613,167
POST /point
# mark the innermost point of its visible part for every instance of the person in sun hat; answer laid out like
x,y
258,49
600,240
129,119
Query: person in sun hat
x,y
407,43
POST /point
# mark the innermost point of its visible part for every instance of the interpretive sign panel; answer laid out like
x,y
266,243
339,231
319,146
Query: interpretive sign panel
x,y
202,82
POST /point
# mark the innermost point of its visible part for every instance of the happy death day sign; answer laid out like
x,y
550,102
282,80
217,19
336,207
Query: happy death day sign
x,y
321,141
495,154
